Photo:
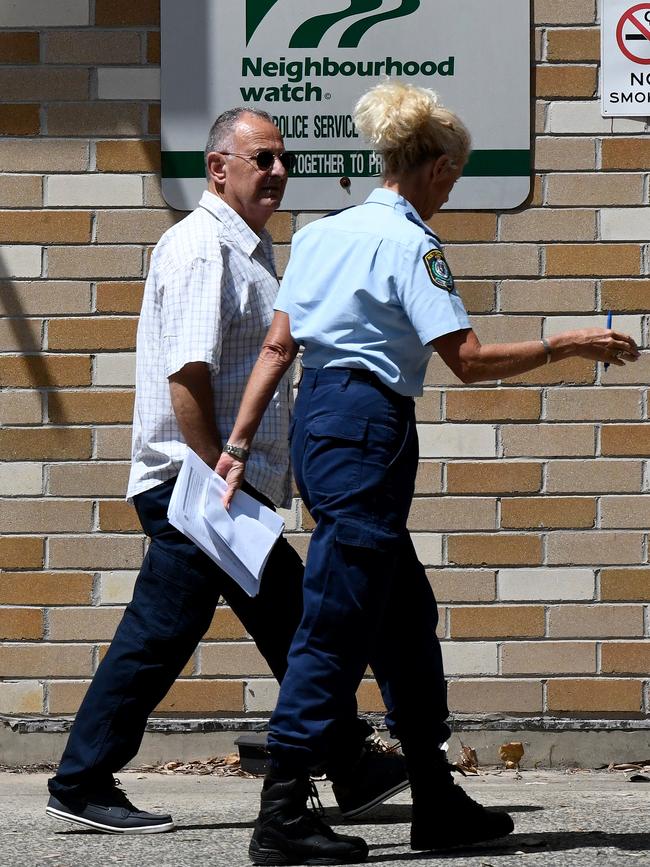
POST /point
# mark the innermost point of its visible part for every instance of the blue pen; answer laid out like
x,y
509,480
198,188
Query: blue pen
x,y
609,325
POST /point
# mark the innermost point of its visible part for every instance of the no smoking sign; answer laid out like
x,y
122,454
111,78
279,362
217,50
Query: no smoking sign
x,y
625,41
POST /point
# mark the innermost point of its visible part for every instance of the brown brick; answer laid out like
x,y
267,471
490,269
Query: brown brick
x,y
452,513
428,407
561,12
97,551
548,224
575,371
631,296
497,328
128,156
625,439
369,698
113,443
637,373
93,333
43,661
595,696
83,624
497,621
20,408
552,439
21,553
21,335
134,227
496,477
153,47
118,517
203,697
233,660
91,262
18,624
625,657
493,260
118,13
95,118
594,404
45,588
585,260
536,198
594,476
496,696
625,153
45,227
595,621
21,191
153,119
64,697
44,155
554,82
92,479
16,119
119,297
523,513
625,585
478,295
624,512
548,657
568,44
464,226
481,404
19,444
597,547
44,516
98,407
564,154
499,549
594,189
280,227
225,627
429,478
19,47
43,84
92,47
44,298
34,371
463,585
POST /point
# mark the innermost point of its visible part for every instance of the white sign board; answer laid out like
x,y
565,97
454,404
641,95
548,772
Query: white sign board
x,y
307,63
625,58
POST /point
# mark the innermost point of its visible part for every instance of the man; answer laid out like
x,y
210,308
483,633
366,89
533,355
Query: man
x,y
207,305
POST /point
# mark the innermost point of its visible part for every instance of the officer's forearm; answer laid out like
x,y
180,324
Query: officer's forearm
x,y
193,404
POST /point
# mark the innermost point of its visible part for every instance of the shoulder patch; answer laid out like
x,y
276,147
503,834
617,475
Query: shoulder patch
x,y
438,269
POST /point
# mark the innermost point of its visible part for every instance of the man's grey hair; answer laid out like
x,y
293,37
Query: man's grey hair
x,y
222,130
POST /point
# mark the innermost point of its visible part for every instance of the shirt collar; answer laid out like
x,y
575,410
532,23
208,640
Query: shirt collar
x,y
246,238
382,196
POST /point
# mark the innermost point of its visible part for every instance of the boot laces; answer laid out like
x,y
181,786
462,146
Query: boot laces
x,y
316,806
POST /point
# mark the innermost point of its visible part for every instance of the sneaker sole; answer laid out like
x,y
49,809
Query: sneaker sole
x,y
457,844
107,829
272,857
364,808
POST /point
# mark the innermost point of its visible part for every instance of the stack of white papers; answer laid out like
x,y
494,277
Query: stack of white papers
x,y
238,540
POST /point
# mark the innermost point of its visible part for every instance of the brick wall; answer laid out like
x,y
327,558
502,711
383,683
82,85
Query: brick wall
x,y
533,503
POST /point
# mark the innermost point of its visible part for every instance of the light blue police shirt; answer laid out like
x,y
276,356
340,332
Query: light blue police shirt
x,y
369,287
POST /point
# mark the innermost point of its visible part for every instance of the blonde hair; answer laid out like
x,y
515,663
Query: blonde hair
x,y
407,125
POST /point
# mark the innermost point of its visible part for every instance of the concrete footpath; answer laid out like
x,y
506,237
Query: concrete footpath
x,y
581,818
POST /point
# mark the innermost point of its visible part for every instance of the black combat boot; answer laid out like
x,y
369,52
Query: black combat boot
x,y
444,815
287,832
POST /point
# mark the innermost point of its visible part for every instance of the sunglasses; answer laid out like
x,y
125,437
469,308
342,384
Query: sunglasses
x,y
265,160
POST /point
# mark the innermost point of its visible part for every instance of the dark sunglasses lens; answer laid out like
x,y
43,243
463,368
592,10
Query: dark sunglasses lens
x,y
287,160
264,160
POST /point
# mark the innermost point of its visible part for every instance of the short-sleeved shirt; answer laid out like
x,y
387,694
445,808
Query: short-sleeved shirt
x,y
208,297
369,287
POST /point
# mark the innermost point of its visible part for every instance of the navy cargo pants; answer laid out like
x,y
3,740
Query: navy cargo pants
x,y
366,596
173,603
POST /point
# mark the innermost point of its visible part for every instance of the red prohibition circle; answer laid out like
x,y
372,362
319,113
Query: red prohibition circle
x,y
619,33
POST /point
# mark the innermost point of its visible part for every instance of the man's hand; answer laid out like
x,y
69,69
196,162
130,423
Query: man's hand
x,y
232,470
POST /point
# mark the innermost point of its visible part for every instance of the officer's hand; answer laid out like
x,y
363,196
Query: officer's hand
x,y
232,470
603,344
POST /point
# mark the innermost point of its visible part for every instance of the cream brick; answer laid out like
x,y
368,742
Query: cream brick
x,y
91,479
595,621
125,83
115,368
545,584
241,659
94,119
20,407
457,440
493,260
260,696
594,476
594,404
548,657
46,155
636,373
453,513
44,298
44,13
100,262
21,696
18,479
594,547
627,324
499,329
93,190
625,512
291,516
463,585
563,12
134,227
625,224
595,189
20,261
113,443
547,296
79,624
585,117
116,588
470,657
525,440
564,154
496,696
21,191
18,335
38,660
44,516
546,224
97,551
428,547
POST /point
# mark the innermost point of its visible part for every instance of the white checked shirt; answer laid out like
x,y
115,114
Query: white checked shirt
x,y
208,297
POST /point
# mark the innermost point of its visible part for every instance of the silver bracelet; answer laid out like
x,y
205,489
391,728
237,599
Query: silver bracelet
x,y
547,349
238,452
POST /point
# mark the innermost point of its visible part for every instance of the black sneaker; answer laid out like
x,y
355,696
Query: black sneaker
x,y
447,817
287,833
109,811
377,776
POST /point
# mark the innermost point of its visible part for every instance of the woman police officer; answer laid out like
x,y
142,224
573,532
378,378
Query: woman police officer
x,y
369,295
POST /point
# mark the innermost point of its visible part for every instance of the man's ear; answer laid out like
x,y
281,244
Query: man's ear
x,y
216,163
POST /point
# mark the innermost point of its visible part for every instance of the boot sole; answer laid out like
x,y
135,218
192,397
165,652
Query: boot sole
x,y
385,796
259,855
106,829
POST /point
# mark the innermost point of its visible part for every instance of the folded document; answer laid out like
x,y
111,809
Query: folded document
x,y
240,539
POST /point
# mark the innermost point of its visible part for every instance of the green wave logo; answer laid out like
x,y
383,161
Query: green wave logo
x,y
311,33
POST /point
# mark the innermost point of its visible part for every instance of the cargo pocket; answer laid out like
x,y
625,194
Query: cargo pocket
x,y
334,452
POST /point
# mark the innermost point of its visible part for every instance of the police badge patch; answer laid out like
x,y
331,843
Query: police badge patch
x,y
438,270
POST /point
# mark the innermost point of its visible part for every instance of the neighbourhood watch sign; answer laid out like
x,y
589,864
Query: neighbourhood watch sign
x,y
308,63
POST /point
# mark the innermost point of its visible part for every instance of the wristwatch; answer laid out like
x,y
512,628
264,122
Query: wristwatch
x,y
237,452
